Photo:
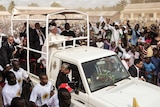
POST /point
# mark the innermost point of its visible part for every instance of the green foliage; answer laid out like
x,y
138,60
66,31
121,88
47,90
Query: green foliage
x,y
33,5
54,4
97,8
137,1
120,5
150,1
2,8
11,6
143,1
81,9
104,7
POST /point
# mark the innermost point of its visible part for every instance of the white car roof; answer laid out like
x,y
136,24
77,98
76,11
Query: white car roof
x,y
83,54
21,10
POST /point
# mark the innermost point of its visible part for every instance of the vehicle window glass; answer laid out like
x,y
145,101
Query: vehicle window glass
x,y
104,72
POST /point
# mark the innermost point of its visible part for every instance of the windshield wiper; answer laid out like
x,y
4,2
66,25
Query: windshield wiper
x,y
127,78
112,84
100,87
103,86
119,79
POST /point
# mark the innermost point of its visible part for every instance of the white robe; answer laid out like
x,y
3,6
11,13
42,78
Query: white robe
x,y
115,33
52,46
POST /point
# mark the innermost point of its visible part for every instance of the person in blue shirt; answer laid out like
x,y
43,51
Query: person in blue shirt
x,y
156,61
149,69
135,35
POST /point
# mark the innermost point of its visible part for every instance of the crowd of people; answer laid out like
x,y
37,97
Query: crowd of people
x,y
13,66
137,46
18,92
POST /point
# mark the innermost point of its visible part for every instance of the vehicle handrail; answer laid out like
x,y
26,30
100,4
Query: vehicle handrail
x,y
31,49
65,13
71,39
77,38
62,40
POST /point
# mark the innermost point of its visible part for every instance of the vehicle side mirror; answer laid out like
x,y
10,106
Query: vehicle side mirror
x,y
76,90
72,84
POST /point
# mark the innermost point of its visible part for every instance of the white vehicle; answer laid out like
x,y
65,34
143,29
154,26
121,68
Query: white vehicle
x,y
100,77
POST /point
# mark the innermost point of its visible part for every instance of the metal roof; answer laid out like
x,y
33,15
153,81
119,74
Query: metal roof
x,y
143,5
35,10
4,13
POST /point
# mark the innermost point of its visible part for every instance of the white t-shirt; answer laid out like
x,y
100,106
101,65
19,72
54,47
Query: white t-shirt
x,y
100,44
20,75
96,30
53,101
9,92
17,40
1,68
41,94
125,64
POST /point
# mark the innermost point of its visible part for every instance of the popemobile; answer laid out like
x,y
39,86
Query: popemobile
x,y
98,75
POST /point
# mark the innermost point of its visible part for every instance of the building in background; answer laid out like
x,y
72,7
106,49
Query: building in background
x,y
95,15
142,12
145,12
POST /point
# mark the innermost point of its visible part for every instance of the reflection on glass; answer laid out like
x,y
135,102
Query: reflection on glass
x,y
104,72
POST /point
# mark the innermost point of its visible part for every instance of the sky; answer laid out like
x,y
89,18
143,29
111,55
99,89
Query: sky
x,y
65,3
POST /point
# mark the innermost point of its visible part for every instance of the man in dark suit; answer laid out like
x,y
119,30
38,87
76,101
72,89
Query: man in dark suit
x,y
23,34
68,32
136,69
7,51
37,38
62,76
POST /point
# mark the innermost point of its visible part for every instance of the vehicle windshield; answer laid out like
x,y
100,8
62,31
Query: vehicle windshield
x,y
104,72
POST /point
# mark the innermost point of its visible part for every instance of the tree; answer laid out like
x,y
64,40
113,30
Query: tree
x,y
122,4
143,1
136,1
150,1
81,9
119,6
2,8
11,6
97,8
89,9
54,4
33,5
